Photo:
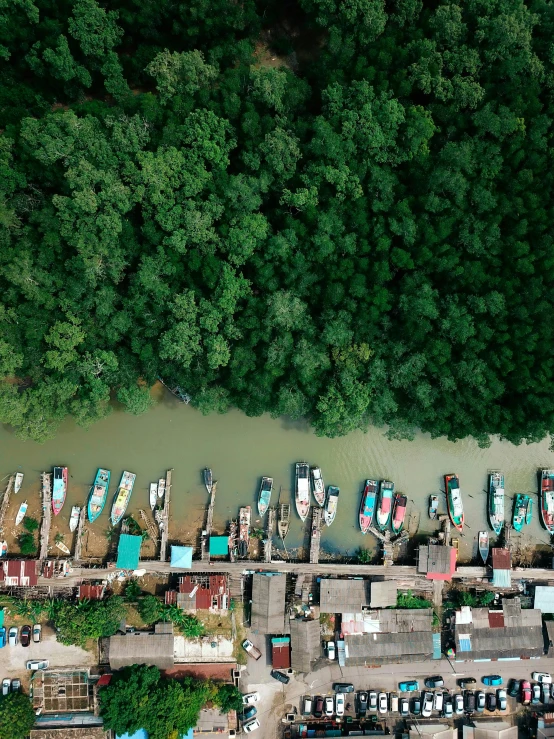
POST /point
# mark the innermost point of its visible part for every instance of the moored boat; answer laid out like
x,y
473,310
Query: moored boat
x,y
3,548
529,514
433,506
454,500
496,501
264,495
331,504
547,499
284,520
245,515
74,518
18,482
367,506
161,487
521,512
302,496
21,513
318,486
60,489
208,479
62,547
98,494
398,512
386,492
122,497
153,495
484,545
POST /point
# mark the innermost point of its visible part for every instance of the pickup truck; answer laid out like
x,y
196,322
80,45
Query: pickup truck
x,y
251,649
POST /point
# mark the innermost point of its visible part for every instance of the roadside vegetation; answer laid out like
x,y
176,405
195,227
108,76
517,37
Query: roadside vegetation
x,y
152,610
16,716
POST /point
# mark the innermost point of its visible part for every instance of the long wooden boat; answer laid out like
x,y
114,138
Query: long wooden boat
x,y
284,520
21,513
318,486
208,479
433,506
63,547
331,504
302,495
245,516
153,495
98,494
18,482
161,487
264,495
454,501
122,497
3,548
522,511
367,506
74,518
496,501
386,492
60,489
484,545
547,499
398,512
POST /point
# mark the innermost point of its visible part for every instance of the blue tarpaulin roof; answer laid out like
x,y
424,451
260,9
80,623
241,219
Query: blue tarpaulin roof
x,y
437,646
181,557
128,552
219,545
502,578
141,734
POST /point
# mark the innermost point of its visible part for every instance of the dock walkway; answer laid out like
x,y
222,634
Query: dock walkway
x,y
164,529
315,536
6,501
46,479
270,531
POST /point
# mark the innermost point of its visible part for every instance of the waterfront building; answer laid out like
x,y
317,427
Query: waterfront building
x,y
437,562
201,592
268,603
305,638
501,568
143,648
19,573
344,596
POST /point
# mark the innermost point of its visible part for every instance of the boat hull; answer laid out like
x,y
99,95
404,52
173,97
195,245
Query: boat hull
x,y
59,489
153,495
21,513
18,482
264,496
122,497
302,495
484,545
398,512
433,506
208,479
547,499
318,486
454,501
367,505
98,494
496,501
74,518
245,516
384,510
331,504
284,520
522,511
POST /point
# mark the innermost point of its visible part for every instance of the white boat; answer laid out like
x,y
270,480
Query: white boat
x,y
331,505
18,482
161,487
3,548
153,494
74,518
62,547
318,486
21,513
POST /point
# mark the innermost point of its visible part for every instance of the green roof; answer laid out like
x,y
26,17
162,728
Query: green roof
x,y
280,640
128,552
219,545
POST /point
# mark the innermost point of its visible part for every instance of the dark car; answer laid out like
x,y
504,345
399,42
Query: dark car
x,y
343,687
465,681
469,701
514,688
25,636
247,714
362,702
277,675
318,706
434,682
491,702
416,706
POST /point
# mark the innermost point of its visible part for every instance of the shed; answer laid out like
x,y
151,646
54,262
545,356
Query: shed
x,y
268,603
495,729
181,557
433,731
20,572
383,594
544,598
219,546
128,552
343,596
501,568
437,562
91,592
140,648
305,641
280,652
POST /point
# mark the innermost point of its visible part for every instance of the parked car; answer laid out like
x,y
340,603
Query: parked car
x,y
514,688
12,636
25,636
491,702
383,705
251,649
469,701
37,664
535,693
393,702
339,704
6,683
448,707
526,692
427,705
2,637
372,700
546,692
416,706
331,650
16,685
404,707
249,698
542,677
458,704
343,687
277,675
408,686
492,680
481,701
247,714
308,704
318,706
501,700
329,706
434,682
37,633
465,681
438,701
253,725
362,702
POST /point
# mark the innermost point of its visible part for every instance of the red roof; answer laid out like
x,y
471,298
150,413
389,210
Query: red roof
x,y
501,559
445,575
104,680
204,597
1,573
280,655
170,597
92,592
496,619
21,572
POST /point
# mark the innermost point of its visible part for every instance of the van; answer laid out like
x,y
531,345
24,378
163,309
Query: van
x,y
438,701
394,702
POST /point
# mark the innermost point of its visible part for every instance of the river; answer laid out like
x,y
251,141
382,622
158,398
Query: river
x,y
240,450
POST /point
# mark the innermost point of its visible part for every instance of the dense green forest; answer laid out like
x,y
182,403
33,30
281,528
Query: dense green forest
x,y
332,209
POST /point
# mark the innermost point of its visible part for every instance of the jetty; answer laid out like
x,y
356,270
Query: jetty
x,y
46,479
206,533
270,530
315,535
164,524
6,500
80,534
233,534
150,527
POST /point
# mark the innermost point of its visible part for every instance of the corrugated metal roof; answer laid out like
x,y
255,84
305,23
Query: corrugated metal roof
x,y
268,603
141,649
383,594
128,552
501,559
305,639
437,648
181,557
367,649
219,546
280,652
435,560
502,578
544,598
343,596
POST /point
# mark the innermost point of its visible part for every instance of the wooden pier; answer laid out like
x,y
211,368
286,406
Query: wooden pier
x,y
6,501
80,534
233,534
270,531
315,535
150,527
206,533
46,479
164,528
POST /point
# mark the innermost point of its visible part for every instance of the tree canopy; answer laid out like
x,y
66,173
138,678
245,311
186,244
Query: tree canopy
x,y
339,211
17,716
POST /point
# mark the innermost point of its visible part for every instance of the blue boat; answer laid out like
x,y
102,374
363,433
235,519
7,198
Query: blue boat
x,y
367,506
98,494
265,495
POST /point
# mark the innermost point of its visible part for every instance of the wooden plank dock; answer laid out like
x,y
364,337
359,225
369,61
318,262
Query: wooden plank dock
x,y
6,501
270,531
164,529
315,535
46,479
209,523
80,534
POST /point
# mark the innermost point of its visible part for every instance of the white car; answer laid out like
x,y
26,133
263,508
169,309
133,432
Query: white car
x,y
372,700
6,682
427,707
331,649
37,664
339,704
404,707
37,633
542,677
12,636
329,706
249,698
308,705
383,703
438,701
458,704
253,725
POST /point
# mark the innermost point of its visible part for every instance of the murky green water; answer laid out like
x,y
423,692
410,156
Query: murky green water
x,y
240,450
